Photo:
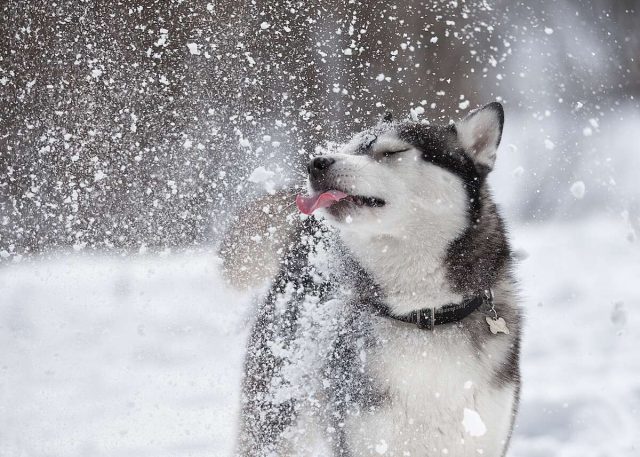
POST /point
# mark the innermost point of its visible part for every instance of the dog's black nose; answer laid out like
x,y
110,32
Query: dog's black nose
x,y
318,166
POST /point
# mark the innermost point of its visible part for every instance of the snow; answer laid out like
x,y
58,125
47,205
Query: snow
x,y
99,175
122,140
382,447
416,112
473,423
578,189
581,376
106,356
142,355
261,175
193,49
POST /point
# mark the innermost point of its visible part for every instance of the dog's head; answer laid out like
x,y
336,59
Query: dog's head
x,y
405,175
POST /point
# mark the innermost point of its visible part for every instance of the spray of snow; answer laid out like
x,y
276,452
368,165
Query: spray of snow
x,y
265,177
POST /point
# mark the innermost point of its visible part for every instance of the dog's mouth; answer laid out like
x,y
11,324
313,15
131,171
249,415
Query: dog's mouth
x,y
308,204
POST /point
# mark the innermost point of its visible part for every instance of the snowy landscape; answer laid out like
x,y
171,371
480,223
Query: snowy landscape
x,y
137,356
131,132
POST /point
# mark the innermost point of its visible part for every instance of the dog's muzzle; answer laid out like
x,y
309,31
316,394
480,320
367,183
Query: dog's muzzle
x,y
318,169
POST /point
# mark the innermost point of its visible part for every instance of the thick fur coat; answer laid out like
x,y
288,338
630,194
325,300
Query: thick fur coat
x,y
414,226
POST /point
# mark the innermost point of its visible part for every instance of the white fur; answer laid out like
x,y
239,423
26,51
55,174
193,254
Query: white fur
x,y
402,244
479,133
430,377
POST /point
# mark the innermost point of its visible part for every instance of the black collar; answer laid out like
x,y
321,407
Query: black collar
x,y
428,318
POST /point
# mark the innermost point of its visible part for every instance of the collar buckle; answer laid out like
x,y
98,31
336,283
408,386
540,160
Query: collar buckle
x,y
487,301
426,318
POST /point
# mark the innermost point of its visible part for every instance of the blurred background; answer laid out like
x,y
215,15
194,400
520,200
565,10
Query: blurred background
x,y
130,132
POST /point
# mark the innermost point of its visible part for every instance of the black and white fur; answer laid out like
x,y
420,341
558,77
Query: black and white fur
x,y
325,374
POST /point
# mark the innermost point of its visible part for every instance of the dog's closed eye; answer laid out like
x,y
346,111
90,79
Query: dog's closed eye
x,y
390,153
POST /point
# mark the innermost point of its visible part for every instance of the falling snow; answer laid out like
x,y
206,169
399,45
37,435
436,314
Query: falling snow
x,y
578,189
132,132
472,423
193,49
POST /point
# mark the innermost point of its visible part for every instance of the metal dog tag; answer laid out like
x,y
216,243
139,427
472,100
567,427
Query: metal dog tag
x,y
497,325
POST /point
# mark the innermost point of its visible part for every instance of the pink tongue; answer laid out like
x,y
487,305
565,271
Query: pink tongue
x,y
308,205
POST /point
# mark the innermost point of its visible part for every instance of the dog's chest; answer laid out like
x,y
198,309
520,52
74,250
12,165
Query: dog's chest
x,y
437,396
409,278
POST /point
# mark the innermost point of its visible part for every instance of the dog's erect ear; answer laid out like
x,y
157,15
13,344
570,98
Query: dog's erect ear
x,y
480,132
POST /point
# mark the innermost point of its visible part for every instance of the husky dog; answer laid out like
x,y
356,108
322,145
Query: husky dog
x,y
393,325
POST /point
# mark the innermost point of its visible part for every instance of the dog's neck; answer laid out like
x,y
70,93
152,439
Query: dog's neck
x,y
409,267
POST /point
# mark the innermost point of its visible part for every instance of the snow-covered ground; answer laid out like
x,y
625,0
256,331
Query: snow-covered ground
x,y
141,356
